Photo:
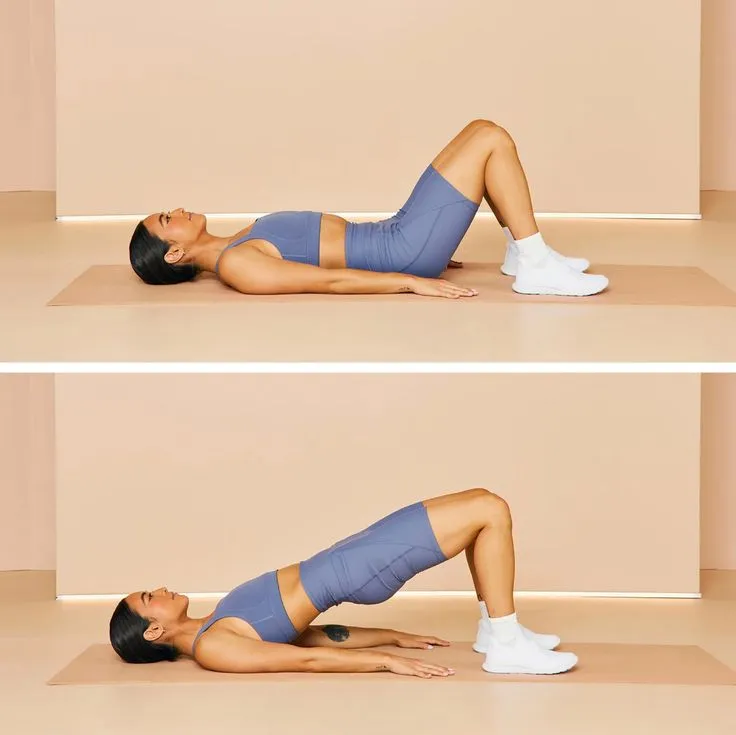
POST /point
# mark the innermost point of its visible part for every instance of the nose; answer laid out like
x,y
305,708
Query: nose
x,y
161,591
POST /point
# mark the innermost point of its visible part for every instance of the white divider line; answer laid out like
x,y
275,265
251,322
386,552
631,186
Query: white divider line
x,y
142,367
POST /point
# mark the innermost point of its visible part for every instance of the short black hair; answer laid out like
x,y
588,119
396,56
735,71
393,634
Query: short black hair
x,y
147,259
126,635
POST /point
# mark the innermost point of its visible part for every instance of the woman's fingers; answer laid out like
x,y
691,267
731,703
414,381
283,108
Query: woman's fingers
x,y
416,667
457,286
453,290
428,641
445,289
454,294
436,641
435,670
438,669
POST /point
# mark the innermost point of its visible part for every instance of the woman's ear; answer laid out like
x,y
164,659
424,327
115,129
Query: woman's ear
x,y
153,632
174,254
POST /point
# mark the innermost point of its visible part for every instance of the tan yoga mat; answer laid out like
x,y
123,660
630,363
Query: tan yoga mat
x,y
631,285
599,663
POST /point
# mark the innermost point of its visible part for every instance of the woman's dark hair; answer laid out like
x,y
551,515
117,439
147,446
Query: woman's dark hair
x,y
147,259
126,635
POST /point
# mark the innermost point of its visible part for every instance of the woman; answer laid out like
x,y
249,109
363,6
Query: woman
x,y
264,625
312,252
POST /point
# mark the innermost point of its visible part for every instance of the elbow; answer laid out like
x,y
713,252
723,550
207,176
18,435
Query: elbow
x,y
340,281
337,285
310,664
315,660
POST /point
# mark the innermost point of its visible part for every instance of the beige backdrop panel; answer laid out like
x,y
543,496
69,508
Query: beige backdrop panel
x,y
27,84
718,528
253,107
718,133
27,472
201,481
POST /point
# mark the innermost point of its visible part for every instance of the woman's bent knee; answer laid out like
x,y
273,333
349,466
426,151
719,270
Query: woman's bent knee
x,y
477,495
493,507
481,124
495,134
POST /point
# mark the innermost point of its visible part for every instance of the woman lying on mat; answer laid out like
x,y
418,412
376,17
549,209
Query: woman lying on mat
x,y
312,252
264,625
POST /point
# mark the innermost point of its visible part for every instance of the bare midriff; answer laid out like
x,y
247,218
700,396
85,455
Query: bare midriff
x,y
331,242
297,604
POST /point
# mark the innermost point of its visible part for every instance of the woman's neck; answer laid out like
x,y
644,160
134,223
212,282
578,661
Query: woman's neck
x,y
206,253
183,639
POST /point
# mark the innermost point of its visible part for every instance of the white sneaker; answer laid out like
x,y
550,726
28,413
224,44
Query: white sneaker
x,y
483,638
551,276
525,656
511,262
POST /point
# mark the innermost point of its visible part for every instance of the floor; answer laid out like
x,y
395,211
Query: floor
x,y
40,256
39,635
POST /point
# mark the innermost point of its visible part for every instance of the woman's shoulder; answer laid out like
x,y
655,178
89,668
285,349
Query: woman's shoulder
x,y
249,251
223,644
209,638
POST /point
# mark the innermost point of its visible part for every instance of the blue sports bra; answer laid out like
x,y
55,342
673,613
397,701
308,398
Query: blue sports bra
x,y
295,234
257,602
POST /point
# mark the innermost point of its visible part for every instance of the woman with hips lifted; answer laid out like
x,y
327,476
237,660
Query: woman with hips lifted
x,y
315,252
265,624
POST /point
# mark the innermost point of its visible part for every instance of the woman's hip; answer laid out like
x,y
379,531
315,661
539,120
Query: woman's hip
x,y
421,238
371,566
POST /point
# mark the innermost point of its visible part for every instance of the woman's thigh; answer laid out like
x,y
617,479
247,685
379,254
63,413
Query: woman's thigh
x,y
463,160
457,518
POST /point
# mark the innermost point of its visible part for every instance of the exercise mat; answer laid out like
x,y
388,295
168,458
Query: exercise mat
x,y
599,663
630,285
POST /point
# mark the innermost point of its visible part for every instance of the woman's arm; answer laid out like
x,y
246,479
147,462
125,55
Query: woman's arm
x,y
343,636
231,653
252,272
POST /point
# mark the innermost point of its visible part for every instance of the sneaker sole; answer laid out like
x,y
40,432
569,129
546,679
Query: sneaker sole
x,y
554,292
525,670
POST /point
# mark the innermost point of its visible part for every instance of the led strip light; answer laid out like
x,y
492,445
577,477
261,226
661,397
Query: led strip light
x,y
409,595
384,215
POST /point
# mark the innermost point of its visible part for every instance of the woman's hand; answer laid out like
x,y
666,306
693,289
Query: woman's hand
x,y
438,287
414,667
410,640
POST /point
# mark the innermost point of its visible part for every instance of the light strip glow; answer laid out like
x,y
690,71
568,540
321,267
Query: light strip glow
x,y
616,215
154,368
409,595
384,215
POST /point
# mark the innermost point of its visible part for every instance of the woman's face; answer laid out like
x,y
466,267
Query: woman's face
x,y
160,605
177,227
